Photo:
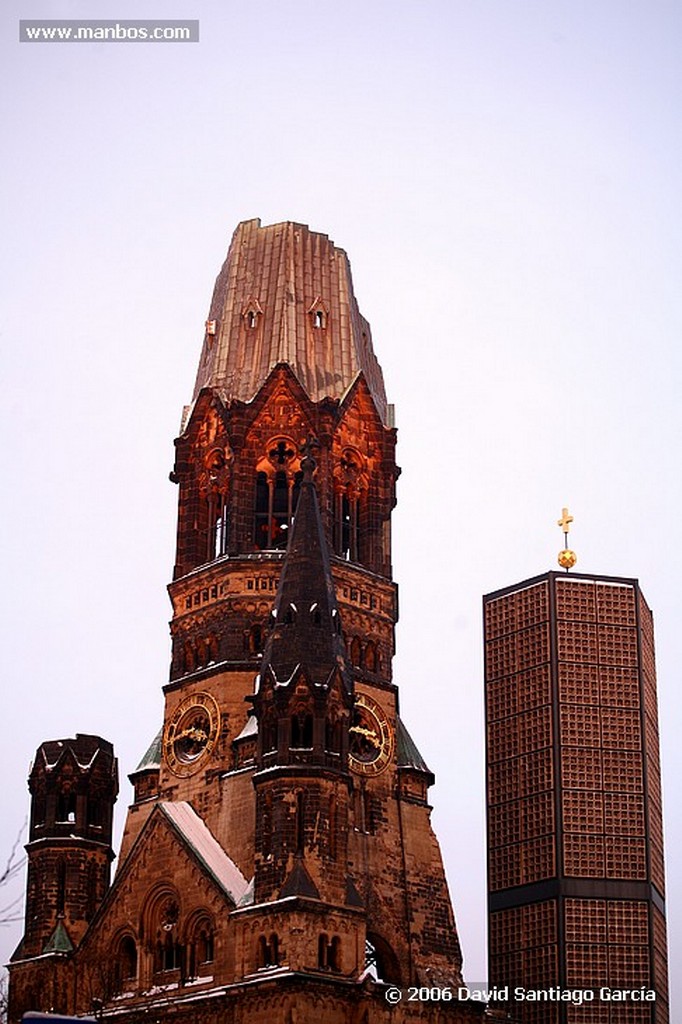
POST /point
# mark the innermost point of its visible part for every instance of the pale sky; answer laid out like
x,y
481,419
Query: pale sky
x,y
504,176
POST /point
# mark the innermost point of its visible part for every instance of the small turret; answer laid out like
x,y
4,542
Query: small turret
x,y
73,785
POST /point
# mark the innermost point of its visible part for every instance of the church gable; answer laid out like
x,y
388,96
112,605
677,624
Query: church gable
x,y
165,918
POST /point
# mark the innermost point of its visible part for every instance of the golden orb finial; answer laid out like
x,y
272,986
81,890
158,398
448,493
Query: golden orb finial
x,y
567,558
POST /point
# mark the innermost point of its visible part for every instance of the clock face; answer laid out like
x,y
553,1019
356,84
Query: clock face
x,y
371,737
191,733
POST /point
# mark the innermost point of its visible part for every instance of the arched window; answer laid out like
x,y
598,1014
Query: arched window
x,y
318,314
217,526
332,735
272,515
190,658
212,642
280,511
345,525
370,657
127,958
161,922
255,639
380,960
278,482
205,946
66,808
200,947
214,484
355,651
301,731
38,807
269,733
262,517
329,953
94,812
268,951
350,482
124,958
168,953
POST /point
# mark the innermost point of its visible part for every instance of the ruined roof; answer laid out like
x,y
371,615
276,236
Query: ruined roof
x,y
206,848
285,295
83,747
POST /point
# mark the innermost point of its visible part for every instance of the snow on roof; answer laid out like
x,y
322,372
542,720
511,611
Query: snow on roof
x,y
250,729
206,848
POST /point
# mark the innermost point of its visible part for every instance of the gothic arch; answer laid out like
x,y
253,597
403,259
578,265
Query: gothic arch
x,y
124,959
381,960
278,477
160,927
199,942
351,482
268,952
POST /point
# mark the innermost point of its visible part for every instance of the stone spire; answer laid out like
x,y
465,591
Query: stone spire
x,y
307,628
285,295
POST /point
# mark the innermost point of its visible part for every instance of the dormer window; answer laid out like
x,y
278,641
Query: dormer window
x,y
251,311
319,315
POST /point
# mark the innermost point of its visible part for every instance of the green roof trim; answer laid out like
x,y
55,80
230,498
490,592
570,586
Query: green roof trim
x,y
152,758
408,753
59,941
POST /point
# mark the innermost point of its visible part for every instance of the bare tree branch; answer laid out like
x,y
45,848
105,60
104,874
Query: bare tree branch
x,y
14,865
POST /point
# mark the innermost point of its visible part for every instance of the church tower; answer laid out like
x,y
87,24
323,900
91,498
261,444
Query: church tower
x,y
278,862
576,883
73,785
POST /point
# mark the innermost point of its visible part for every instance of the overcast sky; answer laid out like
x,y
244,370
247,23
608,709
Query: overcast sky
x,y
505,176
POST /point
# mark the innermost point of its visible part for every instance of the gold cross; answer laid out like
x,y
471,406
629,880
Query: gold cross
x,y
565,520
